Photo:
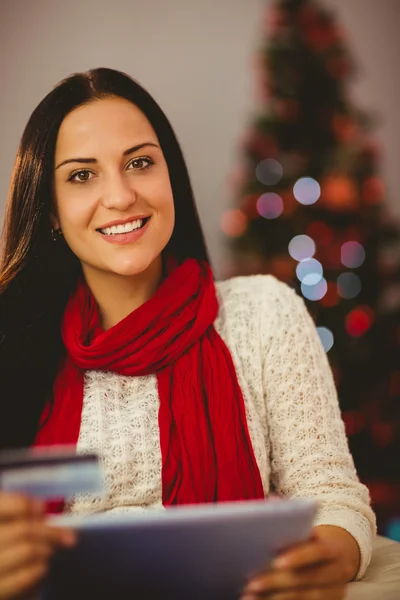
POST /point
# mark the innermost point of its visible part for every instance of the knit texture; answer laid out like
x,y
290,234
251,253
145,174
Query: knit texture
x,y
291,405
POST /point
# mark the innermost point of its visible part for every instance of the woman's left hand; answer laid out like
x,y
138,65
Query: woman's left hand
x,y
316,570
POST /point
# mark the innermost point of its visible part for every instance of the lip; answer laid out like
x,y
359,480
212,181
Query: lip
x,y
123,221
121,239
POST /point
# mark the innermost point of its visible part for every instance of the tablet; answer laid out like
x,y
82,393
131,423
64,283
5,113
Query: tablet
x,y
202,552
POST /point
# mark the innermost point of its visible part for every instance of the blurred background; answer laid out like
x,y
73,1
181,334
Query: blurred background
x,y
288,115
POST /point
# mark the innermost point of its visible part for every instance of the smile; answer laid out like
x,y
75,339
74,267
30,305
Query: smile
x,y
125,228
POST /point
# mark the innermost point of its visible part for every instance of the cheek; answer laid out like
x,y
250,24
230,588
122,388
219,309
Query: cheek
x,y
168,214
75,211
167,204
160,196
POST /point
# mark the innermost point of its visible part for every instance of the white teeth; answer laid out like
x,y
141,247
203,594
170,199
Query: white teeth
x,y
126,228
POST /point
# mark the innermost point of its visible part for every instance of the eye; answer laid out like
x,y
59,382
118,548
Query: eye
x,y
140,164
80,176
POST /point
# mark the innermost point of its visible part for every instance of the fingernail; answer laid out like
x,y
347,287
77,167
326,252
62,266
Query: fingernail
x,y
280,563
69,538
252,589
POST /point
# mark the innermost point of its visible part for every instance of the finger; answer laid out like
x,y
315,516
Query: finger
x,y
17,506
326,575
22,581
23,555
15,532
310,553
336,593
58,536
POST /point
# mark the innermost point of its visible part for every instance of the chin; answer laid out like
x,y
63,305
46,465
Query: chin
x,y
133,268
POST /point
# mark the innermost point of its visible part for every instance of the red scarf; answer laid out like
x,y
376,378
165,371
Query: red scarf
x,y
206,449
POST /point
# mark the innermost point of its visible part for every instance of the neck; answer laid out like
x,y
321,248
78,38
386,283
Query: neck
x,y
119,295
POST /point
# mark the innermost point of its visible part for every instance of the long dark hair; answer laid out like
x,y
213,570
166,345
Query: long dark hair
x,y
36,274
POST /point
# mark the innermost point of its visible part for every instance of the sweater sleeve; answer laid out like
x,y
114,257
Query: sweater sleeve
x,y
310,456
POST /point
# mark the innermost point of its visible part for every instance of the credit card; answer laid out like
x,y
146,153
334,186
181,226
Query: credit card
x,y
51,473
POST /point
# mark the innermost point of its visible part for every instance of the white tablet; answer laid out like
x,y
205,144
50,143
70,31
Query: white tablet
x,y
205,552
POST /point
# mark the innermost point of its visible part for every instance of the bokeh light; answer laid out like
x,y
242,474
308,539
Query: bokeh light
x,y
269,171
326,337
234,222
354,421
309,271
382,433
393,530
307,191
381,493
352,255
373,190
315,292
331,297
340,193
248,205
302,247
320,232
349,285
359,320
270,205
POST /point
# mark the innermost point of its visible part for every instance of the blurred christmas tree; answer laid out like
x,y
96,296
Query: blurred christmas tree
x,y
310,211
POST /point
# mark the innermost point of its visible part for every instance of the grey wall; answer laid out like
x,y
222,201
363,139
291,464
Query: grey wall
x,y
194,57
373,30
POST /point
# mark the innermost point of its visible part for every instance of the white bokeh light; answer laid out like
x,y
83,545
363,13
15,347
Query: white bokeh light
x,y
307,191
269,171
326,337
270,205
315,292
352,255
302,247
309,271
348,285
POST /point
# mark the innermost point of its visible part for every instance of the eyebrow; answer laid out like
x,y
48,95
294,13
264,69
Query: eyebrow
x,y
94,160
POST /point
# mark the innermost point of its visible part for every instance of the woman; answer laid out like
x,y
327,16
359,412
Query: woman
x,y
110,316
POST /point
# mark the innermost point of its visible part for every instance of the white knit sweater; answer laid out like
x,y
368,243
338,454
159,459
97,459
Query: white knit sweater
x,y
292,410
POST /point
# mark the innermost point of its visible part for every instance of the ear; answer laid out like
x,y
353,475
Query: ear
x,y
55,223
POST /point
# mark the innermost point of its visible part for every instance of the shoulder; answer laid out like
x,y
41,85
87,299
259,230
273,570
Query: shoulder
x,y
261,307
258,292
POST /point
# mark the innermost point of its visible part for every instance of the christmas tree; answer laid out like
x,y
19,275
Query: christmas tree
x,y
310,210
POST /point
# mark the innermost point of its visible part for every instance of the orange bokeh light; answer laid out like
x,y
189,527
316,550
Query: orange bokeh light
x,y
339,193
234,222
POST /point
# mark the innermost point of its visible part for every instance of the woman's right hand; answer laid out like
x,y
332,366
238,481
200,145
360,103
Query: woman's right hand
x,y
26,544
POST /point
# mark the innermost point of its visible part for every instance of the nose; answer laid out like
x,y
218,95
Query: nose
x,y
117,193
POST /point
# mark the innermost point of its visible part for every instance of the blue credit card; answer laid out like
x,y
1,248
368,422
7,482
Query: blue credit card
x,y
51,473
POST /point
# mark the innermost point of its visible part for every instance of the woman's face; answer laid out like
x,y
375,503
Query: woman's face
x,y
113,197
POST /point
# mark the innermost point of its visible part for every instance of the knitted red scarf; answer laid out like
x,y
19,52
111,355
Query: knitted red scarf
x,y
206,450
